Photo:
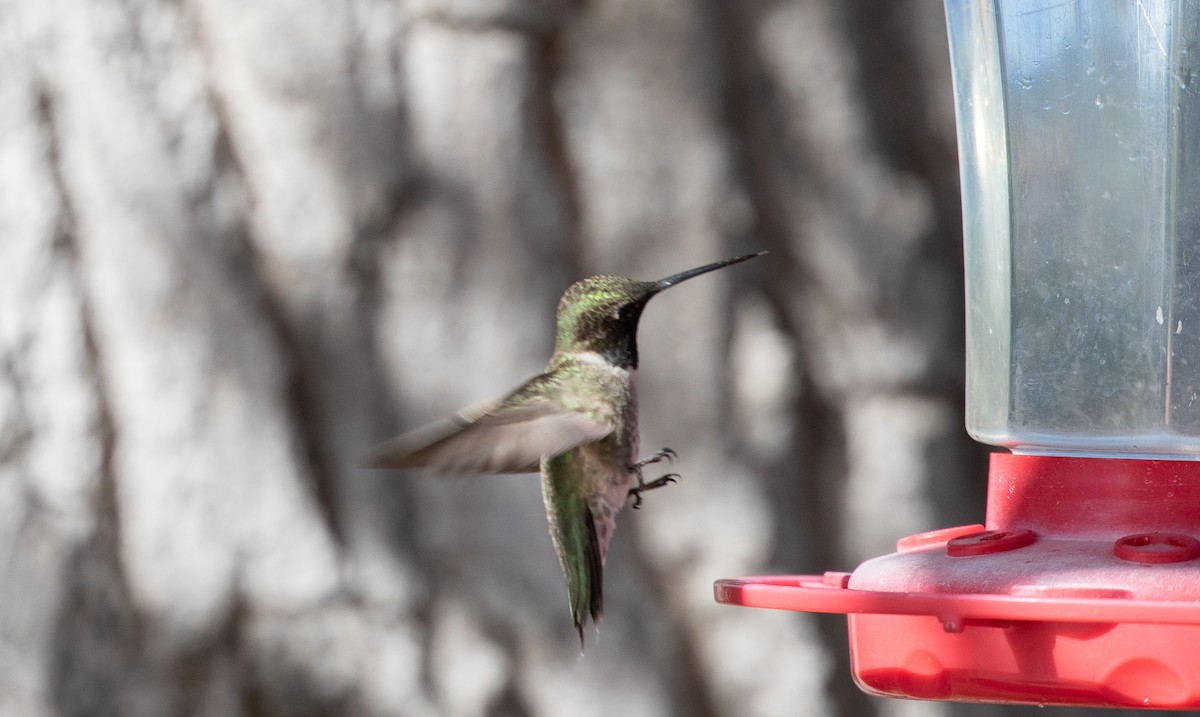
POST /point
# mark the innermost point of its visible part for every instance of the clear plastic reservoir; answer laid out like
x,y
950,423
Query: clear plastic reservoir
x,y
1079,141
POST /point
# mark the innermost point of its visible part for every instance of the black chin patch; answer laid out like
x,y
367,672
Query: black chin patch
x,y
622,350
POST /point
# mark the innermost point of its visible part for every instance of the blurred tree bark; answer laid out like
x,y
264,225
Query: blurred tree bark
x,y
242,242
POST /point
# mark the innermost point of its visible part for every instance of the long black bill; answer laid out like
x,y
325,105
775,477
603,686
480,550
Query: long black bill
x,y
690,273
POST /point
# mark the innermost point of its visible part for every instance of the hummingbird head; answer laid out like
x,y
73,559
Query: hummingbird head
x,y
601,313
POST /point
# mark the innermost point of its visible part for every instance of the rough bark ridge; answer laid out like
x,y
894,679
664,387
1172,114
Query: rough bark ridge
x,y
242,242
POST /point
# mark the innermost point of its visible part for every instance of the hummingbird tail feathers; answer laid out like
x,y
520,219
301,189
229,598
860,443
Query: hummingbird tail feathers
x,y
580,536
587,593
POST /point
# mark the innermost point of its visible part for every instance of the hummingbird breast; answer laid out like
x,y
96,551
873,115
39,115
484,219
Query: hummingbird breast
x,y
606,465
599,472
619,450
606,462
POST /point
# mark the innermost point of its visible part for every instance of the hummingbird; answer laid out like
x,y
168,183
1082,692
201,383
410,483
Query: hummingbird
x,y
576,424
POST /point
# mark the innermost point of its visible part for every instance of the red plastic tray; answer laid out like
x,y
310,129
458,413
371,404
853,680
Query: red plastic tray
x,y
1082,588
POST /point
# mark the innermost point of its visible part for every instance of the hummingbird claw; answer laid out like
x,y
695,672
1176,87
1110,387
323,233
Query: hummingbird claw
x,y
666,454
643,487
660,482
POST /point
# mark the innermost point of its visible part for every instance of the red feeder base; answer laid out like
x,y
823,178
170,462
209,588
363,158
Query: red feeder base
x,y
1083,589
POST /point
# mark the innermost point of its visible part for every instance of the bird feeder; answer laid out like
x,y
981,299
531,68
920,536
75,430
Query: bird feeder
x,y
1079,145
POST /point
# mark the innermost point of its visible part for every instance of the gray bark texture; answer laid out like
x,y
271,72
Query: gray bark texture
x,y
242,242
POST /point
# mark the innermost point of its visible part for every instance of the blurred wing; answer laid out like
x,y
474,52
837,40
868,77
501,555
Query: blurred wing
x,y
506,436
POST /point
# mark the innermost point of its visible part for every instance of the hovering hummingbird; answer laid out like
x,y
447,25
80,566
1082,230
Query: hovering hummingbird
x,y
577,423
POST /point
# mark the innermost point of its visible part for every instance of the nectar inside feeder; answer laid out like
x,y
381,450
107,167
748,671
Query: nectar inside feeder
x,y
1079,145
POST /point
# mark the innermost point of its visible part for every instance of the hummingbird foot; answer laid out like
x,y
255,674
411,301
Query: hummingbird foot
x,y
643,487
665,454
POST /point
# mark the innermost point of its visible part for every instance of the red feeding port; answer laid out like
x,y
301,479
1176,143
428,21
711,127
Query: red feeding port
x,y
1083,588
